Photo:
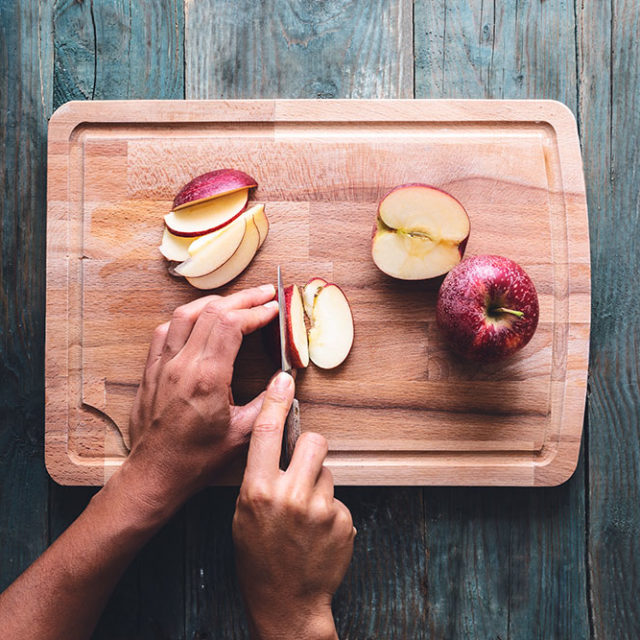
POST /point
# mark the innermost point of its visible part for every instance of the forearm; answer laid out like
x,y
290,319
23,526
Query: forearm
x,y
64,592
312,626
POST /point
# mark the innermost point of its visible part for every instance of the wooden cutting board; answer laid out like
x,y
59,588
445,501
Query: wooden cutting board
x,y
402,409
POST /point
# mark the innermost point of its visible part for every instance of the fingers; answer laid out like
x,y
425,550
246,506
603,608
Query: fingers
x,y
157,344
324,485
248,297
266,439
182,322
242,418
306,463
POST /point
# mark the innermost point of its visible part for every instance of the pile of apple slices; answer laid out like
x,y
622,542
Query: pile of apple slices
x,y
211,233
330,336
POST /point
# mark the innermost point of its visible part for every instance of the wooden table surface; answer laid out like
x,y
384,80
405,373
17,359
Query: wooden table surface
x,y
557,563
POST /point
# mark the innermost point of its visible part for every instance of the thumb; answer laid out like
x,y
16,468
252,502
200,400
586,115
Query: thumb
x,y
242,418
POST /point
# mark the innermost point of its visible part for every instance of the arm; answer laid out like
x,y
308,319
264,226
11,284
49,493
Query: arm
x,y
293,539
185,429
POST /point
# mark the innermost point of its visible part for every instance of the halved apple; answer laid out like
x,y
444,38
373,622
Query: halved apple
x,y
296,330
212,185
331,332
205,217
309,293
421,232
214,249
236,264
175,248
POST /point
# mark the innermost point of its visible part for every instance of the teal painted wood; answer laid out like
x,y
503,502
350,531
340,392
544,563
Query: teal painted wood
x,y
26,58
296,49
609,58
108,50
502,563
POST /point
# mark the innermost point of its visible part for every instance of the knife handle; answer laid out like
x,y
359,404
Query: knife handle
x,y
291,433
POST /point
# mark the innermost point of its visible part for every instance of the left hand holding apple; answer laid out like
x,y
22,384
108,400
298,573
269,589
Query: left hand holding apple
x,y
184,426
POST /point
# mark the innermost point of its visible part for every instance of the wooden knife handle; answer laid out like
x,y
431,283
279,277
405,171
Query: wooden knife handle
x,y
291,434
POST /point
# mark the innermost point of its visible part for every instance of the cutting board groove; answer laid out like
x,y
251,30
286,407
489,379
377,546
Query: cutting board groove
x,y
402,409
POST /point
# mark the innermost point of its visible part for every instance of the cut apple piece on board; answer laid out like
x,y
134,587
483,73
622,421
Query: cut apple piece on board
x,y
207,216
236,264
296,330
309,293
421,232
262,222
175,248
214,249
331,333
212,185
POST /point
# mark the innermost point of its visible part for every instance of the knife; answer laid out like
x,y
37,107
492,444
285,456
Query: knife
x,y
292,424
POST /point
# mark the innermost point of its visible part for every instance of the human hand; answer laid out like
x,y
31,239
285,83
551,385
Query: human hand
x,y
293,539
184,425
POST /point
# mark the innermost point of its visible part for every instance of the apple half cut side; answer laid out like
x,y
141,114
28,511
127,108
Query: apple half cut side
x,y
175,248
212,185
213,249
331,332
310,292
296,330
236,264
421,232
208,216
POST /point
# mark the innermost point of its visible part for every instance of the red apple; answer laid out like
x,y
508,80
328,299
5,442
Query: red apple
x,y
487,308
421,232
212,185
295,329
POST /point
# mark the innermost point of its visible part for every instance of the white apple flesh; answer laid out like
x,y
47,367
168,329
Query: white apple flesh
x,y
421,232
331,332
295,328
487,308
309,293
207,216
175,248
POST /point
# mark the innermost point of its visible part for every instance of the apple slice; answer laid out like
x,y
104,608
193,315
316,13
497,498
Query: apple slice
x,y
207,216
310,292
421,232
236,264
212,185
296,330
214,249
262,222
331,333
175,248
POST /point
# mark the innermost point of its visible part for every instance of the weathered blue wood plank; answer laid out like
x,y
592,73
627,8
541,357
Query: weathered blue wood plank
x,y
609,56
297,49
26,58
502,563
108,49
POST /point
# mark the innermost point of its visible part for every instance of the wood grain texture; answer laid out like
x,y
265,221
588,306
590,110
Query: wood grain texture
x,y
319,161
107,49
503,563
609,101
26,58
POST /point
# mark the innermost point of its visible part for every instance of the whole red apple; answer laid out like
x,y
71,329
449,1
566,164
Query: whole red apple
x,y
487,308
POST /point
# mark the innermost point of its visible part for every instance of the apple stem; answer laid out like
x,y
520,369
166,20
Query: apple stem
x,y
518,314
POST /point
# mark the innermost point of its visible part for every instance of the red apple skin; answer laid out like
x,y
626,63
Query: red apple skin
x,y
418,184
469,291
212,184
292,351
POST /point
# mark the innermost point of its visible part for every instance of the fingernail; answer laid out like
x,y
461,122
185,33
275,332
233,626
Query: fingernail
x,y
268,288
355,531
271,305
282,382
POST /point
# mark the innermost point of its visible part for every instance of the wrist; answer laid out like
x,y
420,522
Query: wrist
x,y
310,625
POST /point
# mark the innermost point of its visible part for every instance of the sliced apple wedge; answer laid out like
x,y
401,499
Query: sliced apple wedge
x,y
236,264
207,216
262,222
175,248
331,332
421,232
309,293
296,330
214,249
212,185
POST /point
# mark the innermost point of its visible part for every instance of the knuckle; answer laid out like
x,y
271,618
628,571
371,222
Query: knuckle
x,y
255,494
297,505
161,331
312,439
343,519
265,425
319,511
181,314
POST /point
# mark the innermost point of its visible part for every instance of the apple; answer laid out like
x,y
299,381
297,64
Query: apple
x,y
262,222
236,264
295,328
214,249
421,232
309,293
331,332
205,217
487,308
175,248
212,185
